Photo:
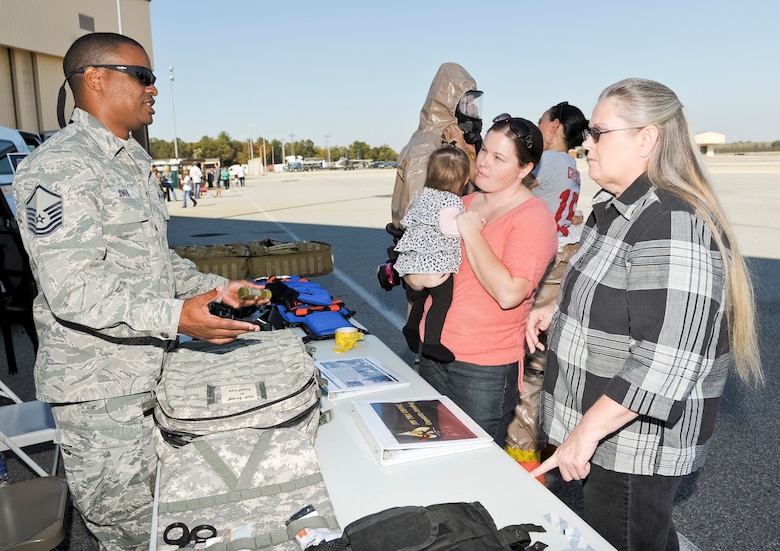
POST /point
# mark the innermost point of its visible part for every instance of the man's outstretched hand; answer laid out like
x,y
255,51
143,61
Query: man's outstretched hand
x,y
196,321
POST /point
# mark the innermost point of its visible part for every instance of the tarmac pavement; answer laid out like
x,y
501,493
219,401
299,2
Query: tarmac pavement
x,y
732,503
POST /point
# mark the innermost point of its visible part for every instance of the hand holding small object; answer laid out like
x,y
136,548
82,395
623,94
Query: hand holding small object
x,y
248,292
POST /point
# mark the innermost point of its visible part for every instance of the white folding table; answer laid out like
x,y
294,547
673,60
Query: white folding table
x,y
359,485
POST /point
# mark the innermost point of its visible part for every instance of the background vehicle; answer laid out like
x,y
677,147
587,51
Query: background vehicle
x,y
32,139
11,141
12,147
349,164
312,163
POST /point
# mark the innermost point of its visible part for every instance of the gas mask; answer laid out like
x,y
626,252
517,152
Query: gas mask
x,y
468,114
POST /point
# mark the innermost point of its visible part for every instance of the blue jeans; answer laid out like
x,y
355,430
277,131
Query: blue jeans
x,y
487,393
170,190
631,511
188,193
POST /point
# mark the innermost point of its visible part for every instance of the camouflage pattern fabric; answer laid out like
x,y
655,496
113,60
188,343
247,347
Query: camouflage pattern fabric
x,y
110,460
261,380
247,482
93,222
251,248
211,251
268,257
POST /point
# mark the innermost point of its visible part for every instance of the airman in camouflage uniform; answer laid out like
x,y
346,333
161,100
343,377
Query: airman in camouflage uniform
x,y
112,295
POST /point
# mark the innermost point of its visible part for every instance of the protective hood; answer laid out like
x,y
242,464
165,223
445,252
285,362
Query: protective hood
x,y
448,86
438,125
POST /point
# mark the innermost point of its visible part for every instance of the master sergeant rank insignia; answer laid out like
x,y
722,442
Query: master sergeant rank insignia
x,y
44,211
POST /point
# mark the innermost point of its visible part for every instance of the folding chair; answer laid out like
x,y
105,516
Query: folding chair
x,y
24,424
32,512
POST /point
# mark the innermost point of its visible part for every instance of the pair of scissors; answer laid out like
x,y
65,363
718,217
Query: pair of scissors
x,y
188,537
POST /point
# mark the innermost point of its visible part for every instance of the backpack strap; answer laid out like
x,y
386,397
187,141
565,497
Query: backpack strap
x,y
216,463
235,496
517,536
306,309
253,463
244,481
276,537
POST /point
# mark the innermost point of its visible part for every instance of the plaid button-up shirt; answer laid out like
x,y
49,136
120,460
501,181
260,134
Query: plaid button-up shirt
x,y
640,318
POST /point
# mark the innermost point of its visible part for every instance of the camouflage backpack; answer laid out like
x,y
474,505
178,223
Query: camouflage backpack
x,y
247,484
261,380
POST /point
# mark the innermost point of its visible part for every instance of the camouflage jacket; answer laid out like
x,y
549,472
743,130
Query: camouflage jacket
x,y
110,291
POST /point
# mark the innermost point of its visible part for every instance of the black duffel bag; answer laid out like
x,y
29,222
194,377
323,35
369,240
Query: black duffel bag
x,y
440,527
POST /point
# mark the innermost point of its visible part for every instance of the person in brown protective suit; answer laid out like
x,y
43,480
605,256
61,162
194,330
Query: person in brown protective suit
x,y
450,114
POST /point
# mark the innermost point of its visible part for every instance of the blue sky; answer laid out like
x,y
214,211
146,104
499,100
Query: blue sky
x,y
361,70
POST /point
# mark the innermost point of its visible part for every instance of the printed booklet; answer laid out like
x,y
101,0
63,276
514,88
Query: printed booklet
x,y
407,430
354,376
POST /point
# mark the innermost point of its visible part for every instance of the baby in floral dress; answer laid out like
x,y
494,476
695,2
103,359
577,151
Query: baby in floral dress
x,y
430,249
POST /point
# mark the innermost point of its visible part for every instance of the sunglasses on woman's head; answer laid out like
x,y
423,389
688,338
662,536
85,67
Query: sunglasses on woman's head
x,y
518,127
144,75
595,133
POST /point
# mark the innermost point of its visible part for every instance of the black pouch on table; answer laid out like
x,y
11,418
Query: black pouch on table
x,y
440,527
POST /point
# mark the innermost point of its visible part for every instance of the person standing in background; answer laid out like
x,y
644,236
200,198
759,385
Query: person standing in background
x,y
225,177
186,188
217,181
241,175
158,178
558,185
210,178
451,114
197,179
557,176
167,179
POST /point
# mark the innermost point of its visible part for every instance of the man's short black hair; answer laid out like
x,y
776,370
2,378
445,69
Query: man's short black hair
x,y
93,49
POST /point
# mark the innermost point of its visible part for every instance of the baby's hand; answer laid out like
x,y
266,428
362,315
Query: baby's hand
x,y
469,221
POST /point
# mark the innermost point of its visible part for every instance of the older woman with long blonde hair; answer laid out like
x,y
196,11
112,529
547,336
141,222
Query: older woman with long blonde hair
x,y
654,310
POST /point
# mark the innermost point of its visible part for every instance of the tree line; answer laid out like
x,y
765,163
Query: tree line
x,y
231,151
747,147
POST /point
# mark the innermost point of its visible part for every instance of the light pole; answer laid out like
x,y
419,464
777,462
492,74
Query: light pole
x,y
119,15
173,112
292,145
327,146
265,159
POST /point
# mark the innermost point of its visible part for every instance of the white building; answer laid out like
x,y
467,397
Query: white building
x,y
34,36
706,141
